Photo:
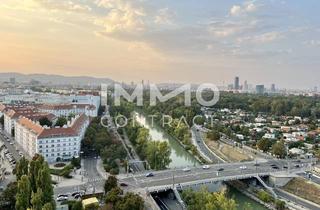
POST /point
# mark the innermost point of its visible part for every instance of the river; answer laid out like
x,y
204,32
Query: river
x,y
181,158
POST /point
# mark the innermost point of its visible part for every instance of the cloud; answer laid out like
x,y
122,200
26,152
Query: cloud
x,y
238,10
122,16
262,38
312,43
71,6
164,16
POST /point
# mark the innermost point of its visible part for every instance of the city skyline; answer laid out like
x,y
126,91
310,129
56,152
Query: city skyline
x,y
264,42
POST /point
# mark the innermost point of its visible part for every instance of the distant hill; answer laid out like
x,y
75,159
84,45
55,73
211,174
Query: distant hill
x,y
54,79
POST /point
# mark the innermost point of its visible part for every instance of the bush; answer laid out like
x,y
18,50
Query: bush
x,y
76,162
264,196
65,172
114,171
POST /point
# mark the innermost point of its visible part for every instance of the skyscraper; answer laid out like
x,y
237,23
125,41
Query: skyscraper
x,y
236,83
245,85
273,88
259,89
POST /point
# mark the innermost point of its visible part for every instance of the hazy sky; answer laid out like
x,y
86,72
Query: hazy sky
x,y
270,41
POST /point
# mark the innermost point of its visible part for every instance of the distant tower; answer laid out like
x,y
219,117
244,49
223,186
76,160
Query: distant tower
x,y
236,83
273,88
245,85
259,89
13,80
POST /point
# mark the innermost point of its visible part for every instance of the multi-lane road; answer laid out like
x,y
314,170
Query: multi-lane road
x,y
201,145
218,171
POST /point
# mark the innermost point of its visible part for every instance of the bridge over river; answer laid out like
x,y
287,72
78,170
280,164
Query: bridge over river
x,y
162,180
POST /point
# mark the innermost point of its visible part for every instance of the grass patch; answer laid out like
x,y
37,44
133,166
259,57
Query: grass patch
x,y
304,189
65,172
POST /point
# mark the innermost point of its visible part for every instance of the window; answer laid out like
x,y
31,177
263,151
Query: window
x,y
40,146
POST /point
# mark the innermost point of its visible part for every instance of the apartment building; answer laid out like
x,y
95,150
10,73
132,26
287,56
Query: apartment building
x,y
67,109
13,114
54,144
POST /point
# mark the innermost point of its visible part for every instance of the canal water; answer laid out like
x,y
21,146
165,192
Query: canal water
x,y
181,158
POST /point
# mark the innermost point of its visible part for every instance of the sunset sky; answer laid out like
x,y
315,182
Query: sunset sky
x,y
270,41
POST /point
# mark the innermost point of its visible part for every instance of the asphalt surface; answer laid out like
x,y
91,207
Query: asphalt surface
x,y
201,145
296,200
11,148
93,181
169,177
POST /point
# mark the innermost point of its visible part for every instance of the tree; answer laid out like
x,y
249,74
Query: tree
x,y
264,144
213,135
61,121
2,120
36,200
76,162
205,200
9,195
44,121
130,201
22,168
158,154
34,168
44,182
110,183
48,206
23,193
280,205
113,195
77,206
279,149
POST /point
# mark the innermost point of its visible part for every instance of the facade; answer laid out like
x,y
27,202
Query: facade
x,y
67,109
59,143
12,114
260,89
236,83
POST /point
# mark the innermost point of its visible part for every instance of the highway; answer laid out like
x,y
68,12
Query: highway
x,y
215,172
203,148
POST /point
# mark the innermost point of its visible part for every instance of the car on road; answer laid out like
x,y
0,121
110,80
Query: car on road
x,y
122,184
275,167
221,169
63,195
256,164
149,175
60,199
243,167
285,167
186,169
11,143
205,167
75,193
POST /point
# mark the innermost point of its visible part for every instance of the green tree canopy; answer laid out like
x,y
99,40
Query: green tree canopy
x,y
61,121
